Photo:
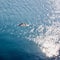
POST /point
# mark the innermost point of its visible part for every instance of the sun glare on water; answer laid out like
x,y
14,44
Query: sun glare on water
x,y
49,43
50,48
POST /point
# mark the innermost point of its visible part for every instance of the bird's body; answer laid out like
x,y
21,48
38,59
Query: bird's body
x,y
23,24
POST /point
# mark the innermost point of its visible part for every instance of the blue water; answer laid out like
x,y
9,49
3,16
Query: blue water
x,y
14,44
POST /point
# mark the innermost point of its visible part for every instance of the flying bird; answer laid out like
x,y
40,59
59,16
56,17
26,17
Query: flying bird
x,y
23,24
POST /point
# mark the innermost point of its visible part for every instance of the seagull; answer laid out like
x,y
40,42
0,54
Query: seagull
x,y
23,24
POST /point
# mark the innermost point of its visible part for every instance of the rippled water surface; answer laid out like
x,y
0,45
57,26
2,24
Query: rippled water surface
x,y
38,41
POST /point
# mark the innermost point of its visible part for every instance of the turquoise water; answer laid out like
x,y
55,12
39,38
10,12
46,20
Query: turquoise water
x,y
14,42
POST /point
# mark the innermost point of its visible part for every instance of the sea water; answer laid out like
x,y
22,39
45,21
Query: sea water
x,y
29,42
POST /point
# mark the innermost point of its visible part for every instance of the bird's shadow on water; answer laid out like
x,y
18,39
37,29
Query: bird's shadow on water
x,y
13,48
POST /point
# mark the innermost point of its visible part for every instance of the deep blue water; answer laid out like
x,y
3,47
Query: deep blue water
x,y
13,42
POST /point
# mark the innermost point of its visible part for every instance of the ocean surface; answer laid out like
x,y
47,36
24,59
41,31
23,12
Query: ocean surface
x,y
38,41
